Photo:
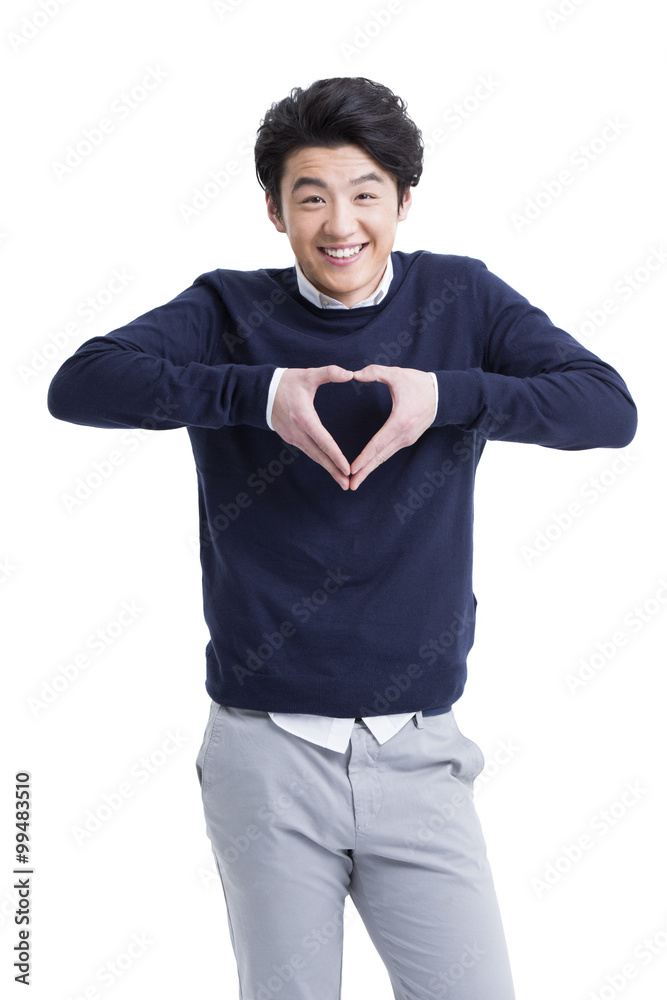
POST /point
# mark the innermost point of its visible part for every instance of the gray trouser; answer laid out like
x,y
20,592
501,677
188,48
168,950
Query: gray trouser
x,y
296,827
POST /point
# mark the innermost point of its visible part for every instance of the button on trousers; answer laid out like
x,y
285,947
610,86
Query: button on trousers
x,y
295,828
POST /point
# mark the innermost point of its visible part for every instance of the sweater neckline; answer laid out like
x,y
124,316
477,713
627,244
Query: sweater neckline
x,y
353,319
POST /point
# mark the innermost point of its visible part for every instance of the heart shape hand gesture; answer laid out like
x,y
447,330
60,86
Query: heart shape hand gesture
x,y
295,419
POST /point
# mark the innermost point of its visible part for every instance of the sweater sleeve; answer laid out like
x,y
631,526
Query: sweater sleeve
x,y
159,372
536,384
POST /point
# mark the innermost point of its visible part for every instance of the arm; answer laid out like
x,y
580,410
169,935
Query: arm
x,y
160,371
536,385
164,360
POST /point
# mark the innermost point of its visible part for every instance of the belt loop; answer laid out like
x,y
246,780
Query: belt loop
x,y
418,720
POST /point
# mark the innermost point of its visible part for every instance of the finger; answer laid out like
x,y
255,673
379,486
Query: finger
x,y
380,447
377,451
398,432
357,479
408,419
297,421
319,456
325,444
374,373
373,455
383,444
310,436
322,440
331,373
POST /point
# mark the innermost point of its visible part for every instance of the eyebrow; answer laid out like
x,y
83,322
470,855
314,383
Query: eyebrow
x,y
316,182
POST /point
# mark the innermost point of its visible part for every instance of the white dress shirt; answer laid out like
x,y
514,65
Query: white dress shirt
x,y
330,732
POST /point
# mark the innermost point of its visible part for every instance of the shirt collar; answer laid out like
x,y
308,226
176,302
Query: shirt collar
x,y
309,292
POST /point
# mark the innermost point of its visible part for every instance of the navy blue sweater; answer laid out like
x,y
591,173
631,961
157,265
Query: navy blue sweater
x,y
320,600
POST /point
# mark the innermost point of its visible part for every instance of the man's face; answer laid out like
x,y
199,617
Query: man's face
x,y
334,199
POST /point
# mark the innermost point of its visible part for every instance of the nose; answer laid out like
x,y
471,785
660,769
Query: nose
x,y
341,222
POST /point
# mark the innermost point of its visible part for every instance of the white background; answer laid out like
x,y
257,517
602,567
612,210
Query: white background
x,y
556,759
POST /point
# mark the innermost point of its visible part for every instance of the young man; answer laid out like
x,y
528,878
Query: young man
x,y
337,410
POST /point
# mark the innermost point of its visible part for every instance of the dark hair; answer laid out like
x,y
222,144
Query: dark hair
x,y
341,111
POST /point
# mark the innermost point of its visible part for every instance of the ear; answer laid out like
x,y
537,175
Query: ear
x,y
406,206
273,214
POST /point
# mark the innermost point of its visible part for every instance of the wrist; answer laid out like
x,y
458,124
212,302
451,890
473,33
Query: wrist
x,y
273,388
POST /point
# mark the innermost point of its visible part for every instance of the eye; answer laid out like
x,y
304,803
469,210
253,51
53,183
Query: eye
x,y
312,197
366,195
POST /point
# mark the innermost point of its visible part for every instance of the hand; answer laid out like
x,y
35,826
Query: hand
x,y
295,418
413,398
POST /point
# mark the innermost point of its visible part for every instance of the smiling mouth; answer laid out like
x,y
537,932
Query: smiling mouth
x,y
342,253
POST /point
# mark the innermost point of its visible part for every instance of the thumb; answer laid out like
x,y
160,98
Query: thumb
x,y
334,373
371,373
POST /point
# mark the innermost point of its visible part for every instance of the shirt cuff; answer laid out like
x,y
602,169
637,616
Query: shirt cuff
x,y
435,385
273,389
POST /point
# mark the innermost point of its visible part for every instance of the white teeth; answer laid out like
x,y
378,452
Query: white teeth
x,y
348,252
